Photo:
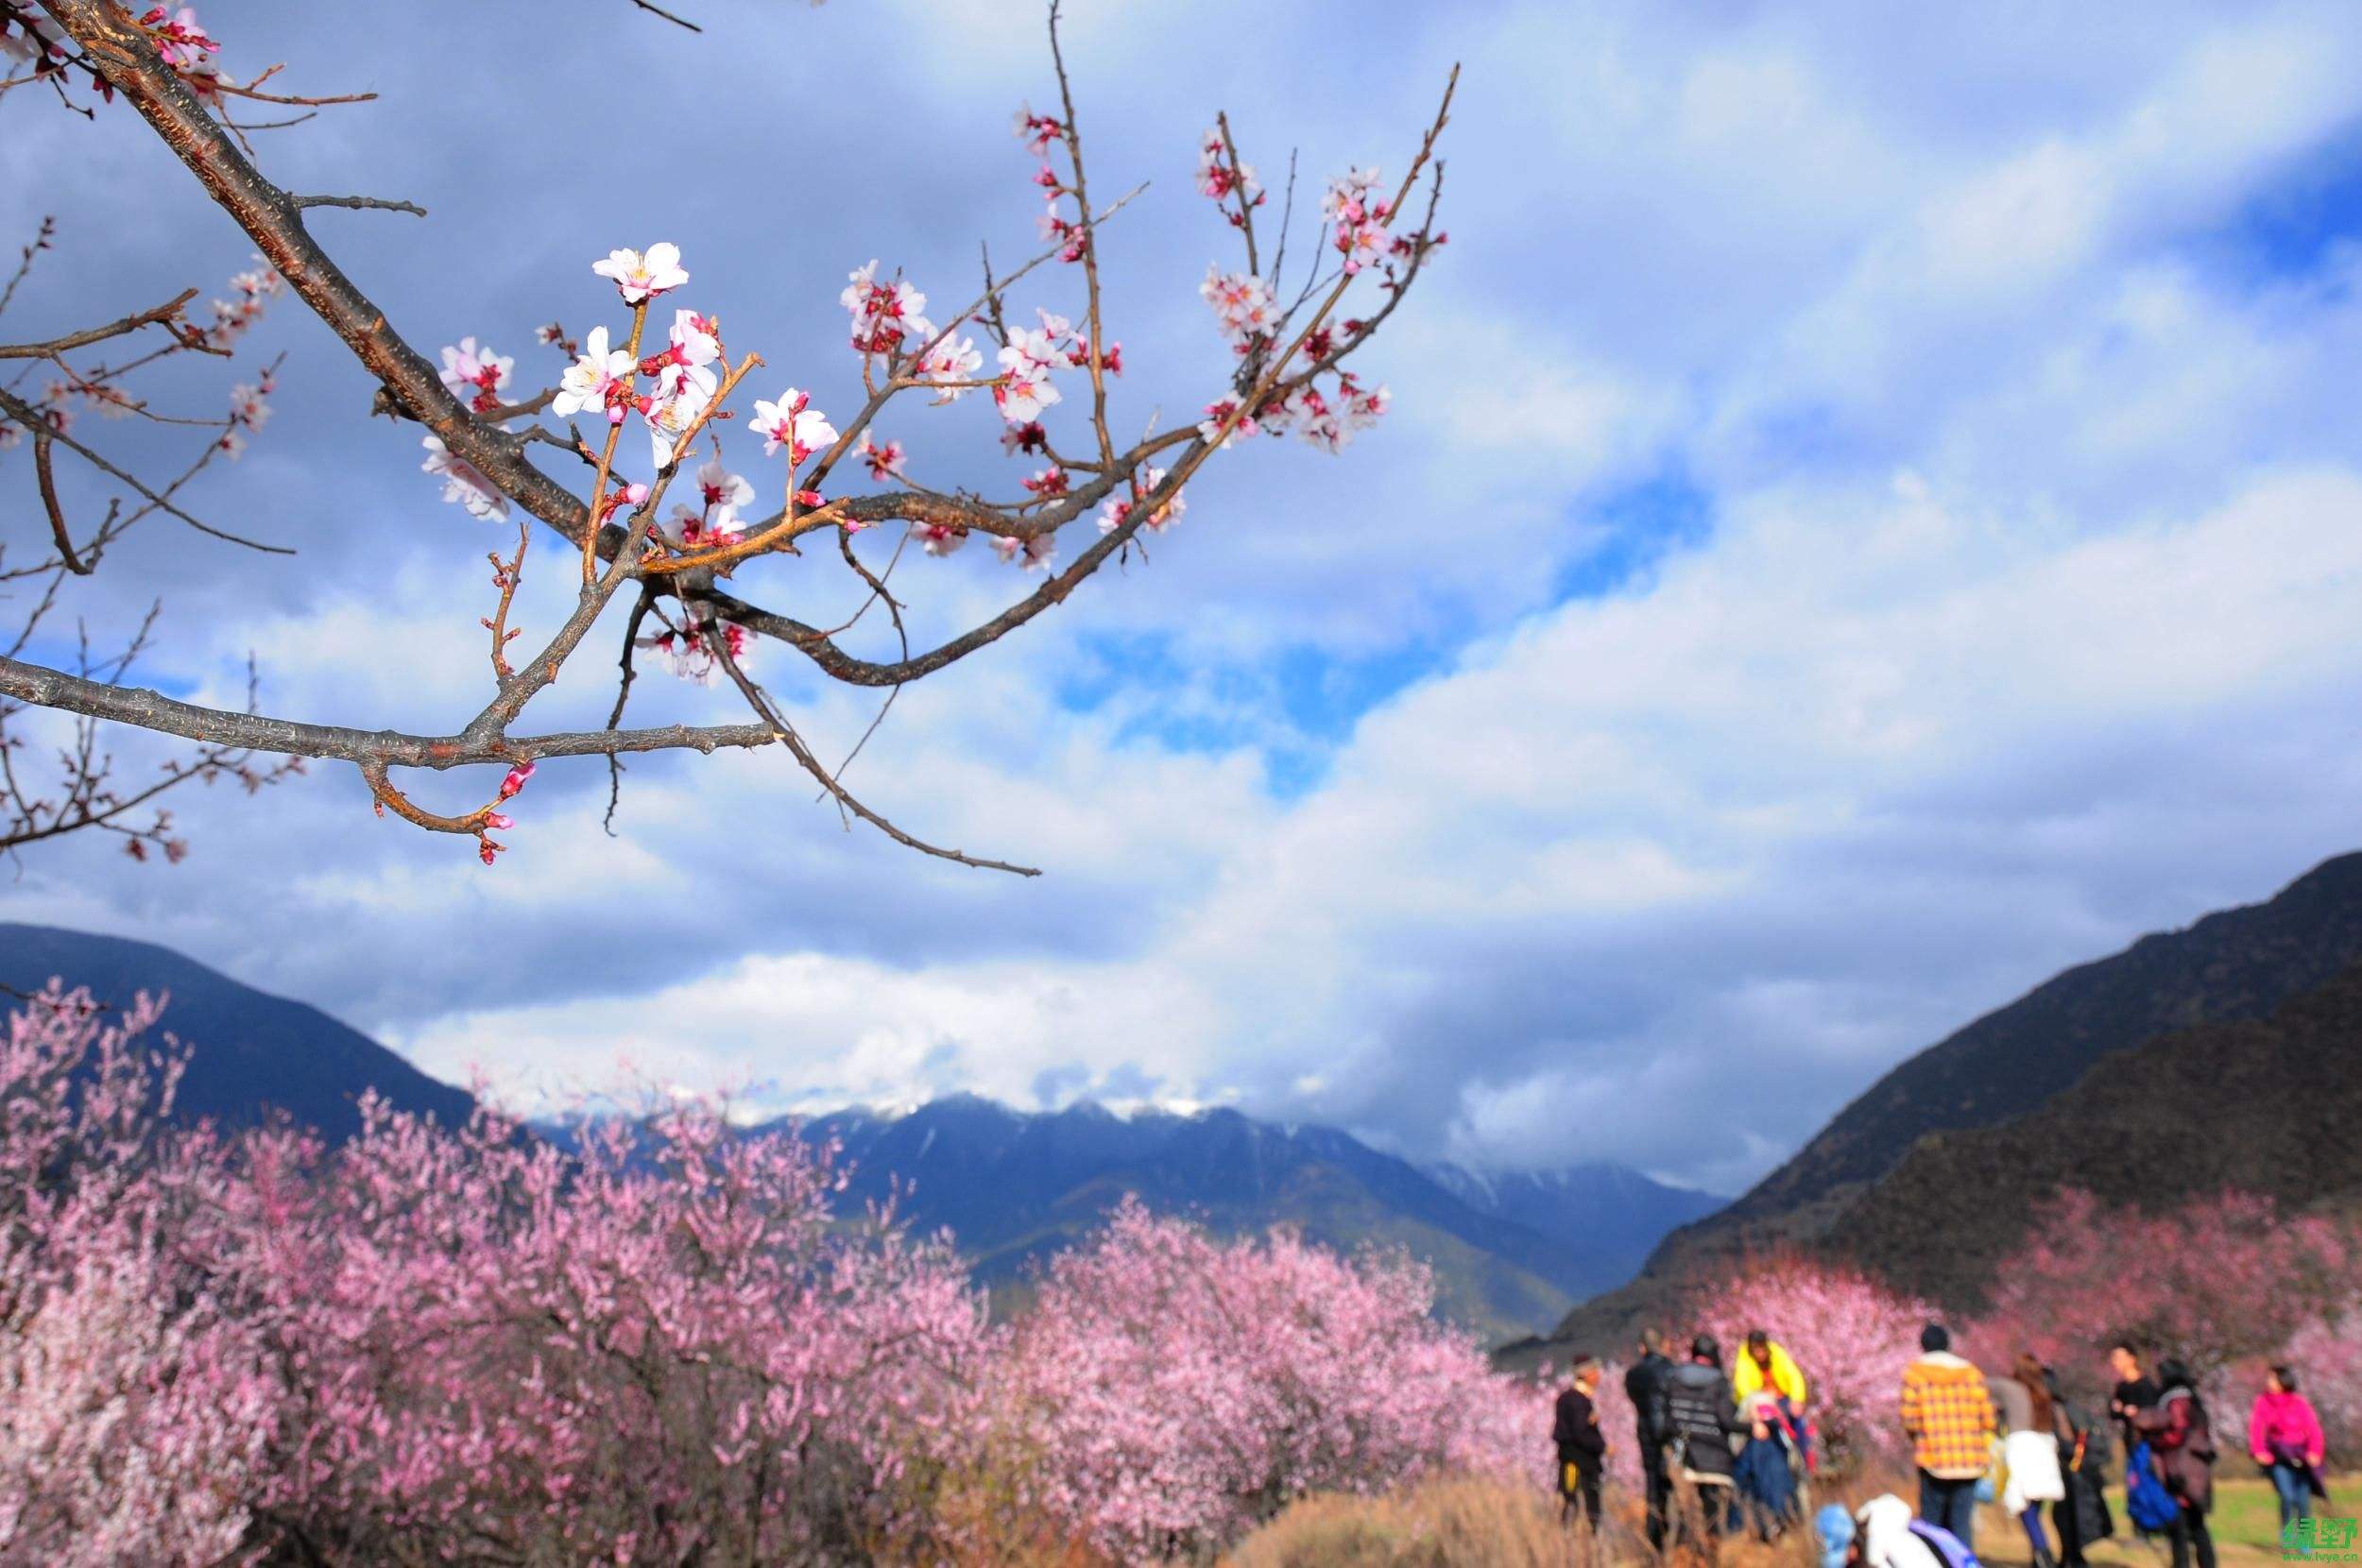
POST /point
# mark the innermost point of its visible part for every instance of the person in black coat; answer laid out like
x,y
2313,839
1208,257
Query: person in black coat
x,y
1582,1446
2081,1516
1642,1385
1698,1414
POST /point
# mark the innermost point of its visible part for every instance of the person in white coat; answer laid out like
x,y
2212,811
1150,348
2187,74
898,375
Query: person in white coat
x,y
1887,1540
2030,1452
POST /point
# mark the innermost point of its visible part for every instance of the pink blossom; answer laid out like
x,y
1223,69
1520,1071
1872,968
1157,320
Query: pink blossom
x,y
1036,131
954,359
790,423
517,779
886,316
939,539
638,276
1036,553
462,481
1243,305
1216,413
601,379
884,462
1118,508
1359,214
475,375
672,412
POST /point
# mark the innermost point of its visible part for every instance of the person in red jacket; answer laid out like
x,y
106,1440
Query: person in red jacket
x,y
2181,1436
2285,1437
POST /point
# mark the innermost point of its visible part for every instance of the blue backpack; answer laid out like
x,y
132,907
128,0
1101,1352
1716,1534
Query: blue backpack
x,y
2151,1507
1950,1549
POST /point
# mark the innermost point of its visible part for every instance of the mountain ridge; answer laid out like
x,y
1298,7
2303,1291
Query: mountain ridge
x,y
2231,966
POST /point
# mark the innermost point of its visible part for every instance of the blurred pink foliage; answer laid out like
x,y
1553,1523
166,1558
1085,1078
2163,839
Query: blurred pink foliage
x,y
2215,1280
1178,1389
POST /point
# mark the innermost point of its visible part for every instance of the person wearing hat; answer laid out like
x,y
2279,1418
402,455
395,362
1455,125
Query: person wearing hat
x,y
1582,1446
1947,1414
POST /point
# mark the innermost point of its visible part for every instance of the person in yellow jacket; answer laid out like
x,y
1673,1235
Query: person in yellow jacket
x,y
1767,1364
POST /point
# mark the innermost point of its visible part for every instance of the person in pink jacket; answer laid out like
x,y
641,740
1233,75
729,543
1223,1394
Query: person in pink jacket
x,y
2285,1437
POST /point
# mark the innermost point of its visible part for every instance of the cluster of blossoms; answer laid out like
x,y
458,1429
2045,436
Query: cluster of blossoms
x,y
714,522
1038,131
1036,553
233,318
29,37
476,376
1329,420
1359,214
1117,509
890,319
1244,306
886,316
1231,186
250,409
1024,389
686,653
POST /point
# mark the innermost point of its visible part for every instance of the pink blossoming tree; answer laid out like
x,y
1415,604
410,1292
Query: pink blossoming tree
x,y
137,1406
1851,1336
1170,1390
2215,1280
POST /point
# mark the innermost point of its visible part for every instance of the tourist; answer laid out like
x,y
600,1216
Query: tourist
x,y
1888,1538
2135,1390
2284,1436
1642,1386
2081,1517
1582,1446
1947,1414
1766,1364
2182,1440
2030,1452
1696,1412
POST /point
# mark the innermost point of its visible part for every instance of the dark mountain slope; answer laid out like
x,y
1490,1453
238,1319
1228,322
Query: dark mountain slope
x,y
2236,964
2269,1106
248,1051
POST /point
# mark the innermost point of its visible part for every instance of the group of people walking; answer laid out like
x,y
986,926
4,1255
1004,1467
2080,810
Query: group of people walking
x,y
1731,1449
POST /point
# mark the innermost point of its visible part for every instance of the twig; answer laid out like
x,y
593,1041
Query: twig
x,y
160,315
781,731
49,503
380,204
659,11
30,418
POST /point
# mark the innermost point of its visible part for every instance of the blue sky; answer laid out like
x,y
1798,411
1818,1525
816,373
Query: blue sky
x,y
1871,517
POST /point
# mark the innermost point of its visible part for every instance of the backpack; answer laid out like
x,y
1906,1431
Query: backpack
x,y
1950,1549
2150,1507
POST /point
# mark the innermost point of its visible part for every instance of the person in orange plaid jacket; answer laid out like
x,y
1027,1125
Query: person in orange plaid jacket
x,y
1947,1413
